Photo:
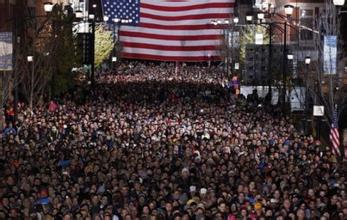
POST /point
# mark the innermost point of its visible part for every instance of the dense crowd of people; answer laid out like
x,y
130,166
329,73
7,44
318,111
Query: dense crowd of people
x,y
164,150
144,72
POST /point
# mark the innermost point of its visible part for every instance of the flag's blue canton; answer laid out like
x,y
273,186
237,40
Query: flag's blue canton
x,y
122,9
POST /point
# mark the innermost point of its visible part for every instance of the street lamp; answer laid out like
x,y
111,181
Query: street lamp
x,y
339,2
261,16
307,63
114,60
249,18
48,7
30,59
290,56
236,20
79,14
288,10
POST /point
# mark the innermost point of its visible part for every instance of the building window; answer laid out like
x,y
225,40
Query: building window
x,y
306,22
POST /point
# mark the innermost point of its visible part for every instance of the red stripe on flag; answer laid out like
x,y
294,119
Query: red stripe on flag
x,y
189,19
169,58
186,17
168,48
169,37
335,140
179,27
188,7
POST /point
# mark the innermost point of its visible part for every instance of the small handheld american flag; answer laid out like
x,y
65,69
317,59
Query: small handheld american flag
x,y
334,134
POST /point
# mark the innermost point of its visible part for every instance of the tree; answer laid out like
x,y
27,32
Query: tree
x,y
32,77
65,53
103,44
51,42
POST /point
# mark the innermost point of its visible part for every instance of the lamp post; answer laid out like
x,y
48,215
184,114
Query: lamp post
x,y
307,63
92,75
249,18
48,7
290,59
114,60
260,16
30,60
270,57
288,10
79,14
339,2
209,60
266,7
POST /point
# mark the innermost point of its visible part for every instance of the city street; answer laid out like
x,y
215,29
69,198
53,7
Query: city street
x,y
173,110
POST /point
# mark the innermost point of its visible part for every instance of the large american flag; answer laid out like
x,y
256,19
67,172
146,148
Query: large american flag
x,y
173,30
334,134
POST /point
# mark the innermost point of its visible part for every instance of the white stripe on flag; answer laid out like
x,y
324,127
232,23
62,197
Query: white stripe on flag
x,y
176,29
172,32
183,3
170,53
169,42
189,22
204,12
334,138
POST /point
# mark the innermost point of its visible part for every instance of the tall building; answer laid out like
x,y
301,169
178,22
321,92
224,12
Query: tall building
x,y
301,34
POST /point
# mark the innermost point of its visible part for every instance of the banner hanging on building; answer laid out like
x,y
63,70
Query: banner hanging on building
x,y
6,51
330,54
